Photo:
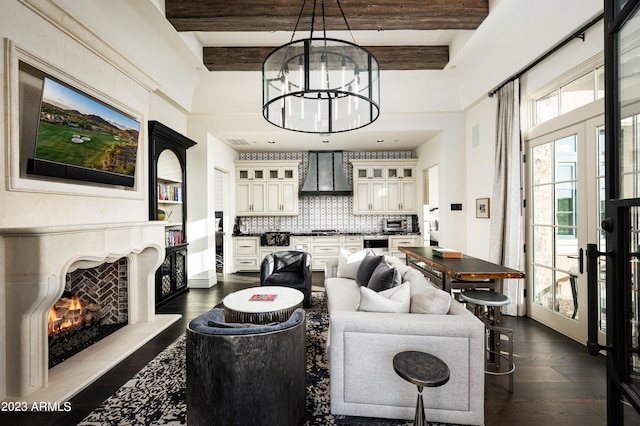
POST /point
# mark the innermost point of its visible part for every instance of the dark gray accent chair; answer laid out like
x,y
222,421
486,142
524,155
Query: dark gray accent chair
x,y
245,374
288,268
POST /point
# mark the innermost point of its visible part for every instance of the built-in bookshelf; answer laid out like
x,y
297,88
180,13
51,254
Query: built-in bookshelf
x,y
170,197
168,203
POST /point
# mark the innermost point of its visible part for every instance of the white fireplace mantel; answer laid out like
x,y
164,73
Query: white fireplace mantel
x,y
35,262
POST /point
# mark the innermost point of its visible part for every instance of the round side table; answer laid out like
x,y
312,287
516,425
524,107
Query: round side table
x,y
423,370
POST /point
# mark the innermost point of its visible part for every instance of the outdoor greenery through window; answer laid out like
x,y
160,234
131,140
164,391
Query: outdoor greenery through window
x,y
581,91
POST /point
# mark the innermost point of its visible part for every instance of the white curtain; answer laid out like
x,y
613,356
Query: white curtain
x,y
506,242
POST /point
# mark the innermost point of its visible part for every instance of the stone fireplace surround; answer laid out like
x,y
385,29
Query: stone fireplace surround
x,y
35,262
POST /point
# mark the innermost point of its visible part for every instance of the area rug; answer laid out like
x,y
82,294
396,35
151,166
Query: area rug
x,y
156,395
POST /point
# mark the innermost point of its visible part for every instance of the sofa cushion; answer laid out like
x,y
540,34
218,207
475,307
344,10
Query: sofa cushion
x,y
384,277
366,268
395,300
348,263
427,299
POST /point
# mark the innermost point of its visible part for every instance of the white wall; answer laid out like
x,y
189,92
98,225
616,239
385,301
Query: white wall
x,y
480,150
447,150
202,160
59,204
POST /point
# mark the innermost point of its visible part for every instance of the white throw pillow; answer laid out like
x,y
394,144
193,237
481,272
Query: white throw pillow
x,y
395,300
427,299
348,263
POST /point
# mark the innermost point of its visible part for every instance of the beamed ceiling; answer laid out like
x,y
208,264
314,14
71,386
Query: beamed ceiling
x,y
217,16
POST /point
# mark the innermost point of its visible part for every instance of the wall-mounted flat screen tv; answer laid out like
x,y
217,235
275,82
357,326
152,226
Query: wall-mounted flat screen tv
x,y
81,138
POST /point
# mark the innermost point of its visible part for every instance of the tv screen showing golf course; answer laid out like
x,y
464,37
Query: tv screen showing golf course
x,y
77,130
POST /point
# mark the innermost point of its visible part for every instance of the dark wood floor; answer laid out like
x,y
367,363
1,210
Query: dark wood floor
x,y
556,381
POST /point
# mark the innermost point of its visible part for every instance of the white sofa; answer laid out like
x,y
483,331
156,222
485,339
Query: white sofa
x,y
361,346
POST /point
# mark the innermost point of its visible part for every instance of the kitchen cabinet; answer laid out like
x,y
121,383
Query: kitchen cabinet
x,y
385,186
365,171
396,241
250,197
250,190
401,196
324,248
300,243
267,188
246,253
352,243
369,196
401,171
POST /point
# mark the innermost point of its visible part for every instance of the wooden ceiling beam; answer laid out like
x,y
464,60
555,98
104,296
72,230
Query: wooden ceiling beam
x,y
281,15
389,57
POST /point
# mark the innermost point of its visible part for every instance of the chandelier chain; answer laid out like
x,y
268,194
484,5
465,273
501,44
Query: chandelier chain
x,y
345,21
304,2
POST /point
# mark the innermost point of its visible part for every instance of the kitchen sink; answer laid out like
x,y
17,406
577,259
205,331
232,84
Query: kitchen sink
x,y
275,239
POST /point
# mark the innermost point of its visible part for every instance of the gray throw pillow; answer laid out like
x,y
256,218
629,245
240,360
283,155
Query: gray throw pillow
x,y
384,278
366,268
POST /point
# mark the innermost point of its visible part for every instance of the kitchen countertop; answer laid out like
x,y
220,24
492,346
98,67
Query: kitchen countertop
x,y
323,233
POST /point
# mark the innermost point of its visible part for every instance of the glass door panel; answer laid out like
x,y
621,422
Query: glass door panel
x,y
600,234
555,225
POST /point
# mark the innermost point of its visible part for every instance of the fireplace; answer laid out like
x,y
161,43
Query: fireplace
x,y
94,304
34,264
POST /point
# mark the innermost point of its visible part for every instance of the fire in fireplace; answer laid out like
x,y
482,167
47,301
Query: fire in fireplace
x,y
93,305
69,315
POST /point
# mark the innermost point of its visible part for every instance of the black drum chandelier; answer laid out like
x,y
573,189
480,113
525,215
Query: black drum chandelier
x,y
320,85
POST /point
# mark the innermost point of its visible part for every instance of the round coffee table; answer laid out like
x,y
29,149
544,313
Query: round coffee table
x,y
261,305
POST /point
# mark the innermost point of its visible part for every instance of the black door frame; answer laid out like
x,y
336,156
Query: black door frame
x,y
618,225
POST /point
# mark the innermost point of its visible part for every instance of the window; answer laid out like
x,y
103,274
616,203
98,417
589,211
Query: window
x,y
578,92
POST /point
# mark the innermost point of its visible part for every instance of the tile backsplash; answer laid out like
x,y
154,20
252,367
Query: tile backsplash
x,y
322,213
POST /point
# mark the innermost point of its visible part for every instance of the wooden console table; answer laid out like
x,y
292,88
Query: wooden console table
x,y
464,272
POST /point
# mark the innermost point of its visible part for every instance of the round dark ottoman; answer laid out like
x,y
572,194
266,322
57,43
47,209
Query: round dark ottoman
x,y
245,374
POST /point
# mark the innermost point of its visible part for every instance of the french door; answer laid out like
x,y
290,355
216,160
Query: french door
x,y
622,222
566,186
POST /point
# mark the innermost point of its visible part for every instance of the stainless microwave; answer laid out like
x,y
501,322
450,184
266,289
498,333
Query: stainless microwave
x,y
394,225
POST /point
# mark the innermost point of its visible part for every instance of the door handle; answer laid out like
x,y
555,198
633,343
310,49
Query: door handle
x,y
580,258
592,300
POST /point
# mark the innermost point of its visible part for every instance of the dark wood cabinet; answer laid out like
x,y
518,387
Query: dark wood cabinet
x,y
168,202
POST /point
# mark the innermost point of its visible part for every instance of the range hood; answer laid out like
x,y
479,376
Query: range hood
x,y
326,175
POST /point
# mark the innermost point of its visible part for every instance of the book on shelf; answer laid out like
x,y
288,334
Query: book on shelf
x,y
169,193
447,253
174,237
263,297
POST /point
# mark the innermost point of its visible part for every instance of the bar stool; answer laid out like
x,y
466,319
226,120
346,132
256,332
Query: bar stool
x,y
485,303
421,369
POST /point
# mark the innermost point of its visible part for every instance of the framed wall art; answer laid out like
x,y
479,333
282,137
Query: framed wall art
x,y
483,208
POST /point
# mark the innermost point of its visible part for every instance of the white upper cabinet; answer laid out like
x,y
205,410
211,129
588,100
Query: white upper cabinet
x,y
267,188
384,186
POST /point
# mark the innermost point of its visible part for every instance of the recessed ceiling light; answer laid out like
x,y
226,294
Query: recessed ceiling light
x,y
325,141
380,140
271,141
